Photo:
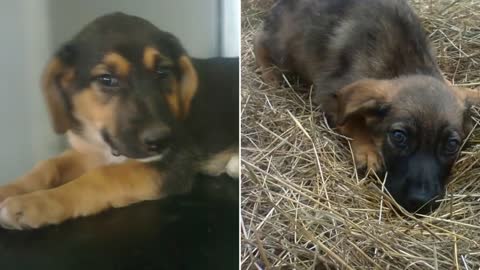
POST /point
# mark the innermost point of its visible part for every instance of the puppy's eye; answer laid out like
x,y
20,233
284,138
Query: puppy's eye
x,y
452,146
399,138
163,72
107,80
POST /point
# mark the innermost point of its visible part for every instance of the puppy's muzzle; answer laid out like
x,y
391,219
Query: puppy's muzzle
x,y
423,186
422,201
155,138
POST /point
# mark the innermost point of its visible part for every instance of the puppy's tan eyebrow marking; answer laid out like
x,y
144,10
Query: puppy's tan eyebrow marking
x,y
118,62
99,69
151,56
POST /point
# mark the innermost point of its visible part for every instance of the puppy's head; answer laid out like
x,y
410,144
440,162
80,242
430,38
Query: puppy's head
x,y
418,124
124,81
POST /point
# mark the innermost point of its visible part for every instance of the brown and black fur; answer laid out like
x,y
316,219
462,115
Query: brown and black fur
x,y
377,80
141,115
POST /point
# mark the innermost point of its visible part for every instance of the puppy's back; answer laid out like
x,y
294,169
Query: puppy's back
x,y
213,120
335,42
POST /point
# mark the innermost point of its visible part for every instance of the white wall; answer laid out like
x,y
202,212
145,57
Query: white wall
x,y
32,29
230,28
25,132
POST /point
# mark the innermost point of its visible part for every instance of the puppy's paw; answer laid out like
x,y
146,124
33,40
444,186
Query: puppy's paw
x,y
232,168
30,211
367,158
272,77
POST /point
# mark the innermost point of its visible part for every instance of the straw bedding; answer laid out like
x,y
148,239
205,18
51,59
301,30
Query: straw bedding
x,y
303,204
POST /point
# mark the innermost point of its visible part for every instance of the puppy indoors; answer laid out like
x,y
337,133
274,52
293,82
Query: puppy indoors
x,y
142,118
378,82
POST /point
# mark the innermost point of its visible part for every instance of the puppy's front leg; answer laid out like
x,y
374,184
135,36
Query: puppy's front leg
x,y
364,149
110,186
49,173
270,74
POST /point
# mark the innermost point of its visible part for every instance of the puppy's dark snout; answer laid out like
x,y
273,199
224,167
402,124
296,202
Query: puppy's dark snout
x,y
155,138
422,202
422,195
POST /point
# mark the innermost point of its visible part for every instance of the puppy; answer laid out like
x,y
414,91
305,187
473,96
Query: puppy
x,y
377,80
142,118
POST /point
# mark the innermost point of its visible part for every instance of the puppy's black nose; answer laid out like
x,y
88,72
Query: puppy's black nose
x,y
155,138
421,202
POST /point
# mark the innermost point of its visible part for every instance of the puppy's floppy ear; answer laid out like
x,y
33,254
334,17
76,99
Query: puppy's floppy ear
x,y
188,83
470,97
187,75
56,78
367,97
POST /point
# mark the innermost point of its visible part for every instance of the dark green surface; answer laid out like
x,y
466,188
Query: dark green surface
x,y
196,231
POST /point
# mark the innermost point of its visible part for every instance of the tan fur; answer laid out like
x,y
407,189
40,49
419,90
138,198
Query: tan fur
x,y
363,145
182,94
180,98
217,164
188,84
84,156
151,56
67,78
118,62
270,74
89,108
99,189
471,96
173,101
353,118
361,96
99,69
50,173
51,91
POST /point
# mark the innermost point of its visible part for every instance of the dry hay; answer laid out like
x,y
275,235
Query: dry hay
x,y
304,206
